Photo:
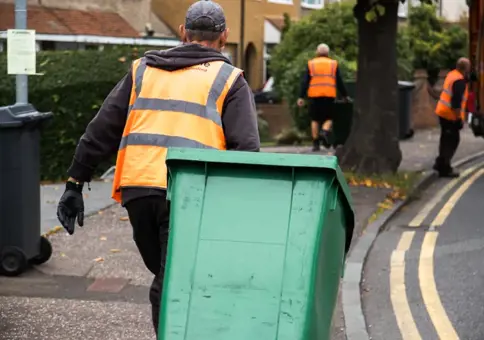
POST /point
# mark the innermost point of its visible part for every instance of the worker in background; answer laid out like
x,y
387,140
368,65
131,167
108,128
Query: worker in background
x,y
451,109
320,81
187,96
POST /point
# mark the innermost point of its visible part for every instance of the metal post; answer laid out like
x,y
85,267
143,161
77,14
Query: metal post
x,y
242,29
22,84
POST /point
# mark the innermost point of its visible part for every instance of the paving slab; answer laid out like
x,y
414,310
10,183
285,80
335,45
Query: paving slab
x,y
24,318
104,247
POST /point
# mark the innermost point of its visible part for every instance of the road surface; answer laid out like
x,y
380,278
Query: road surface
x,y
424,277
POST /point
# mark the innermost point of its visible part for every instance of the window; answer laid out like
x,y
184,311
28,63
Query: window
x,y
47,45
316,4
403,9
284,2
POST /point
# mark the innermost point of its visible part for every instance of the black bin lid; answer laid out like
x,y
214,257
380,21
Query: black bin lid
x,y
20,114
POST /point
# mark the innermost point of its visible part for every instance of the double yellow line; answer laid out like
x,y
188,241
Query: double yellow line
x,y
428,288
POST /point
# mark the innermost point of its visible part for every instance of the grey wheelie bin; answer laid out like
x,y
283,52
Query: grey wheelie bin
x,y
20,240
405,109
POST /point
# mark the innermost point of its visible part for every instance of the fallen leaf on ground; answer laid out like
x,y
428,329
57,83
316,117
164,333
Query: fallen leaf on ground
x,y
103,238
385,205
100,212
115,250
62,255
124,218
98,259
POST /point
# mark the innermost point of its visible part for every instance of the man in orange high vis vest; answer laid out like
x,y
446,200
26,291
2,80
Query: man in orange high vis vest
x,y
320,83
187,96
451,109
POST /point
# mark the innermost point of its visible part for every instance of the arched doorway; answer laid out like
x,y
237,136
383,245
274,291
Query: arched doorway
x,y
249,62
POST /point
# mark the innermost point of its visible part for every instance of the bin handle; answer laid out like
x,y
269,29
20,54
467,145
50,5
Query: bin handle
x,y
335,198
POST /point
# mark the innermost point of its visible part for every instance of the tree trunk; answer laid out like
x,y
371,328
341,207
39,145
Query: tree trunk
x,y
373,144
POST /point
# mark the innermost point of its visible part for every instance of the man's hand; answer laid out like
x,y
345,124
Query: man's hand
x,y
71,206
300,102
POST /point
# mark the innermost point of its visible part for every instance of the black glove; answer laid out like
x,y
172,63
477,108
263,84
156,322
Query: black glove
x,y
71,206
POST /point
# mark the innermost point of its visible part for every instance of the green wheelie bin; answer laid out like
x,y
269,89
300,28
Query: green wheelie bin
x,y
257,245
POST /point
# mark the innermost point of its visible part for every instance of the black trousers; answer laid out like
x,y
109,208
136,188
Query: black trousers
x,y
149,217
321,109
449,141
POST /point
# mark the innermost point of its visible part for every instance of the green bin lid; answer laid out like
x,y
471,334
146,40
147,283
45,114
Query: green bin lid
x,y
330,163
264,159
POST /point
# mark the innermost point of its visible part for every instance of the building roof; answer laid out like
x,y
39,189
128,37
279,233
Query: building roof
x,y
276,21
45,20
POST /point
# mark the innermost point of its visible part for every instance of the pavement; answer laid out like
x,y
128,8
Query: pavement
x,y
95,286
423,278
418,154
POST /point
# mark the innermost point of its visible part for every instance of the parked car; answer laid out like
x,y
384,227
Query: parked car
x,y
267,95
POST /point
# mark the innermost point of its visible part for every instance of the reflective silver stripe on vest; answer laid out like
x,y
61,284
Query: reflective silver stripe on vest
x,y
140,71
322,84
449,92
443,102
165,141
138,80
208,111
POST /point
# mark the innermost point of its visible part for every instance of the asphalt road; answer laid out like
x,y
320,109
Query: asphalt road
x,y
424,278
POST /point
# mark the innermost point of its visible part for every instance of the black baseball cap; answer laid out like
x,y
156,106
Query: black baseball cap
x,y
205,16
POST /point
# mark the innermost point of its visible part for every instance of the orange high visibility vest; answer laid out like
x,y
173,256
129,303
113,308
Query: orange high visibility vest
x,y
170,109
323,77
444,106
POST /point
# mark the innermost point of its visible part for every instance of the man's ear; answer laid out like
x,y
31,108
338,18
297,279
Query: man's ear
x,y
183,33
223,38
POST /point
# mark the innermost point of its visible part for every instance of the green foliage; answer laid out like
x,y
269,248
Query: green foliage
x,y
291,81
73,86
336,26
376,11
435,45
263,129
287,24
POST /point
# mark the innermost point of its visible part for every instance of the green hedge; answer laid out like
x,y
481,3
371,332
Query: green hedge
x,y
73,86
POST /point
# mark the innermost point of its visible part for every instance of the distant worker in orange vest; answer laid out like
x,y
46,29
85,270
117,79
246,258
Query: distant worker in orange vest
x,y
451,109
320,83
188,96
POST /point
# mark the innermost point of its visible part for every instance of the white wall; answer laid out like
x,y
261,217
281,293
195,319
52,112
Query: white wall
x,y
452,10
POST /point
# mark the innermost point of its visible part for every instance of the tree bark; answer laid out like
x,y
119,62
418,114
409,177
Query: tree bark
x,y
373,144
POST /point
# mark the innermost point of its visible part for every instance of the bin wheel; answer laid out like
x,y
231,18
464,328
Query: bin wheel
x,y
45,252
13,261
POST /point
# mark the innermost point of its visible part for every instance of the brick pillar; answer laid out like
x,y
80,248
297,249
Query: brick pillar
x,y
423,103
439,85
